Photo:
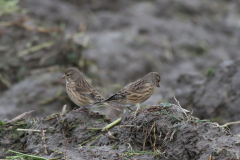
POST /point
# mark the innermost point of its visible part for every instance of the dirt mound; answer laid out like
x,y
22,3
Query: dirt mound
x,y
162,131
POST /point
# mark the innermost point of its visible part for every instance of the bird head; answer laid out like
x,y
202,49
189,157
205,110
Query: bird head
x,y
154,78
72,74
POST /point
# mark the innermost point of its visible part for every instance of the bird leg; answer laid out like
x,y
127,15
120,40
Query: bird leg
x,y
138,107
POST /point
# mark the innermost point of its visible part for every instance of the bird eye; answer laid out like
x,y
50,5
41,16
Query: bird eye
x,y
68,75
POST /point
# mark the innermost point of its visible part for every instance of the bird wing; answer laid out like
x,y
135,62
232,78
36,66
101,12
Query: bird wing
x,y
85,89
94,95
135,87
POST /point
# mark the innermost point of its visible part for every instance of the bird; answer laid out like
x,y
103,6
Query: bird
x,y
79,89
137,92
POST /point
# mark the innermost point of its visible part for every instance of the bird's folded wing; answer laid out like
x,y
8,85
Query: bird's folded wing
x,y
135,87
138,86
93,95
88,91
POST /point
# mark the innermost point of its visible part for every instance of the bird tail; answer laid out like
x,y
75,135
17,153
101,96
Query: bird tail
x,y
112,98
99,102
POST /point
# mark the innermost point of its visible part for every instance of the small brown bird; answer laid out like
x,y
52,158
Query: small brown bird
x,y
79,89
137,92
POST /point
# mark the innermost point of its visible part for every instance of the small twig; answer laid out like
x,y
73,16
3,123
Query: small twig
x,y
230,123
145,138
168,135
149,133
90,140
150,130
37,152
128,121
25,155
35,48
172,134
30,130
55,158
21,116
63,111
44,142
95,139
114,145
162,145
181,107
154,145
110,135
52,117
159,137
93,128
41,29
65,143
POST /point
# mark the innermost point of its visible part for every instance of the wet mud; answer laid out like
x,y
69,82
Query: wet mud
x,y
162,131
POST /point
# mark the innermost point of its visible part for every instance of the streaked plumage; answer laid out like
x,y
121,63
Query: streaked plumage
x,y
79,89
137,92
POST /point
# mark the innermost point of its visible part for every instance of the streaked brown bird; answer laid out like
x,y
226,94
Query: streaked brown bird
x,y
137,92
79,89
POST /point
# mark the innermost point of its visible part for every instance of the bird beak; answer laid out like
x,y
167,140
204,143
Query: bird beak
x,y
158,85
63,76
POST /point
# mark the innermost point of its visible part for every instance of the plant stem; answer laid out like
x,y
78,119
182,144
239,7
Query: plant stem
x,y
112,124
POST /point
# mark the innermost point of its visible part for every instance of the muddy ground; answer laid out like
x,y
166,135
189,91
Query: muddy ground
x,y
158,132
193,44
